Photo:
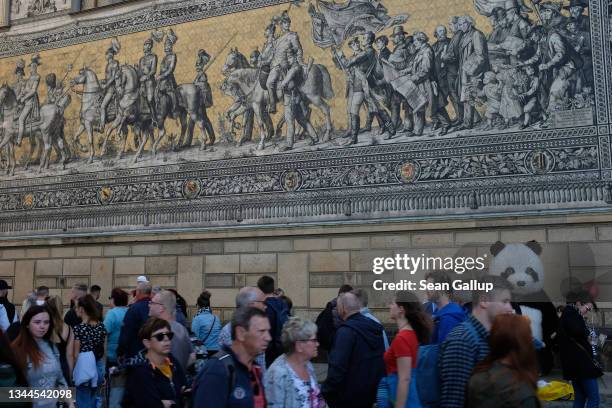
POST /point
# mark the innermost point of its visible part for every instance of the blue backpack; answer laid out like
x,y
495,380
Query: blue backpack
x,y
427,372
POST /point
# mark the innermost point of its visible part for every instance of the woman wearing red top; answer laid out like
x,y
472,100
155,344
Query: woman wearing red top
x,y
414,328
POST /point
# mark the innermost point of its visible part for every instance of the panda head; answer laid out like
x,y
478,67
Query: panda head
x,y
520,264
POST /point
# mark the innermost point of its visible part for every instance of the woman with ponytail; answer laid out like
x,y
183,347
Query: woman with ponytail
x,y
414,329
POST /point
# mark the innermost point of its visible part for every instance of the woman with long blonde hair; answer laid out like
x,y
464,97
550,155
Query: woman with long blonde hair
x,y
62,335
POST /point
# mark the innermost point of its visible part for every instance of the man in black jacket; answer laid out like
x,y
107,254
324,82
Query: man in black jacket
x,y
356,363
135,317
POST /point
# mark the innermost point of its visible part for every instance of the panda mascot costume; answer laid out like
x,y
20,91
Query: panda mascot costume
x,y
521,265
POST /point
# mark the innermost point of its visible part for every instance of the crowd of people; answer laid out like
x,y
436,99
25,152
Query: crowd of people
x,y
143,352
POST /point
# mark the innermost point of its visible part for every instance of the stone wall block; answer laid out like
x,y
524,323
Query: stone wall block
x,y
90,250
293,277
176,248
523,235
390,241
257,263
571,234
102,275
130,266
275,245
190,277
77,266
116,250
49,267
329,261
222,263
146,249
359,242
310,244
432,239
241,245
24,279
161,265
63,252
207,247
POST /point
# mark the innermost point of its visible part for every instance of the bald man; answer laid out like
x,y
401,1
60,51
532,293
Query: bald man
x,y
356,362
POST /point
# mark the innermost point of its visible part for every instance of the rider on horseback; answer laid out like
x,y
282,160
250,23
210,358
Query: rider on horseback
x,y
288,41
112,72
20,74
147,68
167,82
28,98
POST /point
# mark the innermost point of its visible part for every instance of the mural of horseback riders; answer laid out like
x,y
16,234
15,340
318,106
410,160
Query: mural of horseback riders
x,y
532,71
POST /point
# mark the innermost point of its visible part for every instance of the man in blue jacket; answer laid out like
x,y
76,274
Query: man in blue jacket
x,y
356,363
136,316
231,379
447,314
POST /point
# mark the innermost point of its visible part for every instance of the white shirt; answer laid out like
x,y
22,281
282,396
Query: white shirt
x,y
4,320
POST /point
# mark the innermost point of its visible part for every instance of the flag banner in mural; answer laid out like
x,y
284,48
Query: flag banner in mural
x,y
486,7
333,23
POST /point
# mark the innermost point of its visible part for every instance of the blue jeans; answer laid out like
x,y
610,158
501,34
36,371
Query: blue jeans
x,y
85,396
586,392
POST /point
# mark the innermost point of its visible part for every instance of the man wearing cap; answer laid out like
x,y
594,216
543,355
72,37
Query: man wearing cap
x,y
288,40
167,81
400,59
518,26
576,12
147,68
112,74
8,314
473,63
28,98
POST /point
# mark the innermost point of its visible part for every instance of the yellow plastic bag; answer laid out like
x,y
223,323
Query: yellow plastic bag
x,y
556,390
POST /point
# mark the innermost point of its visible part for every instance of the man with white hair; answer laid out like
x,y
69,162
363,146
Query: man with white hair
x,y
163,306
249,296
356,363
473,63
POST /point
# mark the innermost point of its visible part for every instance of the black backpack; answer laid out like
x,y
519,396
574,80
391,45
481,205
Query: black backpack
x,y
325,327
230,369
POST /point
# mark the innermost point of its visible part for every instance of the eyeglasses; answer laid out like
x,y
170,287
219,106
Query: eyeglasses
x,y
310,340
160,336
155,303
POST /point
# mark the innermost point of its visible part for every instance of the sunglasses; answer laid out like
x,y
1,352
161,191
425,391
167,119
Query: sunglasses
x,y
160,336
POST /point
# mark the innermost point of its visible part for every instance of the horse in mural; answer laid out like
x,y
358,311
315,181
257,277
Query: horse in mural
x,y
91,102
129,112
244,82
48,130
190,97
